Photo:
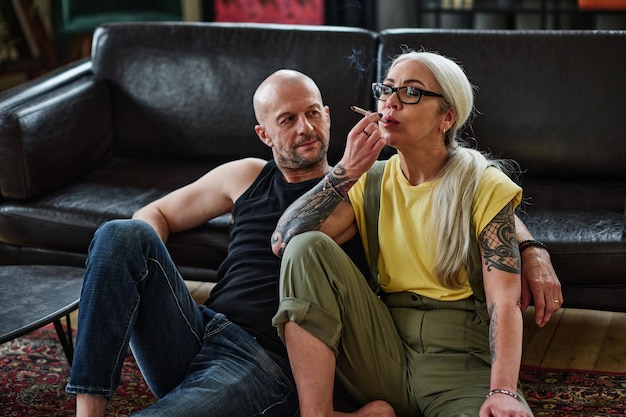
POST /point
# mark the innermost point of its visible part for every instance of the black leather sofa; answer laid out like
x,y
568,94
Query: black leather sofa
x,y
159,104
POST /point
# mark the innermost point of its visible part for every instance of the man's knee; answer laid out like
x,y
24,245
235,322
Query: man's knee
x,y
121,237
124,227
124,230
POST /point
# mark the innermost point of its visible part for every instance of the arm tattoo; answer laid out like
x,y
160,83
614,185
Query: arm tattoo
x,y
313,208
339,181
493,328
499,244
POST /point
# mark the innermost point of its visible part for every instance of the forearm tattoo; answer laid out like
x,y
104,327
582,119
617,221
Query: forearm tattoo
x,y
313,208
493,328
499,243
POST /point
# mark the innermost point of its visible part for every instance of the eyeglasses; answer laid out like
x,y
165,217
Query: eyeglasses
x,y
406,95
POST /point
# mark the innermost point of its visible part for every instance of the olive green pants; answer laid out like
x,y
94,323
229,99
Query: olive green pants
x,y
423,356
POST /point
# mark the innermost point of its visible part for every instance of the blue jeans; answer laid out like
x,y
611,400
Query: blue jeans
x,y
195,361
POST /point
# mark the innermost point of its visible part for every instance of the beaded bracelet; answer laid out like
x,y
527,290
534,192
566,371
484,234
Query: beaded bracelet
x,y
528,243
505,392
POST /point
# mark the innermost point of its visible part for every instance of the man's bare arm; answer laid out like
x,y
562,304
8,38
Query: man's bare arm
x,y
209,196
540,283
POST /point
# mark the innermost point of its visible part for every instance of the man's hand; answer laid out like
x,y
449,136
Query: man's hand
x,y
540,284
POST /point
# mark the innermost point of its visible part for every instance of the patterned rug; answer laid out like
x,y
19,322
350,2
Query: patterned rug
x,y
34,371
572,393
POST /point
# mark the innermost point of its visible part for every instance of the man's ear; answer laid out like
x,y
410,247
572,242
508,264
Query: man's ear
x,y
262,134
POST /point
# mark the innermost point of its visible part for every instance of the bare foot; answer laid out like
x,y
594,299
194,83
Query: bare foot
x,y
90,405
377,408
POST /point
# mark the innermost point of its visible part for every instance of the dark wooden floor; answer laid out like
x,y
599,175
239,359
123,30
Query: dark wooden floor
x,y
577,339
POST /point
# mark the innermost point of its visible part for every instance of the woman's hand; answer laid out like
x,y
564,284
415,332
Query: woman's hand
x,y
501,405
363,146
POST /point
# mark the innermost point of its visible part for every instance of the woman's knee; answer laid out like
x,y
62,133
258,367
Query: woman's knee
x,y
313,259
303,243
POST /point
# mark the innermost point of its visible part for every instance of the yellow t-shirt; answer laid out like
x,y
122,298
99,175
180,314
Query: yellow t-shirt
x,y
407,256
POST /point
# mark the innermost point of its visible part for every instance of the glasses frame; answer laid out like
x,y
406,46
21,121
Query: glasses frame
x,y
396,90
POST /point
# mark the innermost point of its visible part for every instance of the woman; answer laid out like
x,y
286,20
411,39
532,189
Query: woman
x,y
444,338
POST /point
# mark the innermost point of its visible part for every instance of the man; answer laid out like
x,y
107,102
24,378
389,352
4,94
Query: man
x,y
222,358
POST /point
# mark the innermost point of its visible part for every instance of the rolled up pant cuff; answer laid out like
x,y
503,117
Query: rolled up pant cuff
x,y
311,318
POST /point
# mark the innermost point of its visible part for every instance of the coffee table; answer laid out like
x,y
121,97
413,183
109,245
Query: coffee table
x,y
32,296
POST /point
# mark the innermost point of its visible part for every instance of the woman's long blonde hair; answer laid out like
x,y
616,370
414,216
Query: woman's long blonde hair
x,y
461,174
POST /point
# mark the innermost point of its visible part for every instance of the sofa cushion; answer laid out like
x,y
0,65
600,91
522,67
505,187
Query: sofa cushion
x,y
182,91
547,99
65,219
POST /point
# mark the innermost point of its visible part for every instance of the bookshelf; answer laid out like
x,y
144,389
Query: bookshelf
x,y
551,14
32,51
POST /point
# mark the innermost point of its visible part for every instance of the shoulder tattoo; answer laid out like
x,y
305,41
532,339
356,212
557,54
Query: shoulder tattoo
x,y
499,243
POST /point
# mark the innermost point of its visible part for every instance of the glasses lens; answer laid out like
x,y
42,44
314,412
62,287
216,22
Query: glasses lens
x,y
410,95
407,95
377,90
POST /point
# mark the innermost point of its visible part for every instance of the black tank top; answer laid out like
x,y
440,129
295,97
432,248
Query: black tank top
x,y
247,287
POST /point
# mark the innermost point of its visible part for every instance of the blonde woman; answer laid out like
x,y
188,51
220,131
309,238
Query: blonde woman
x,y
443,336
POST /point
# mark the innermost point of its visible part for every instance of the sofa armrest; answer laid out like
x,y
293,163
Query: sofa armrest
x,y
53,130
45,83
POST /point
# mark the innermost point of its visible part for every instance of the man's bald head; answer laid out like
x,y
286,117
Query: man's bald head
x,y
271,90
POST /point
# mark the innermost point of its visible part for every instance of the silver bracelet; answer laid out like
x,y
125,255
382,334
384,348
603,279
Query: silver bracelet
x,y
505,392
328,184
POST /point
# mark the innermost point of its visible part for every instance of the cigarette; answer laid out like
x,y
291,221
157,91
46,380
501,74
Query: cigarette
x,y
363,112
360,110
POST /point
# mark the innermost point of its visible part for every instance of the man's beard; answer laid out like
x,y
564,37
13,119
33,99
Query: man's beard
x,y
295,161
